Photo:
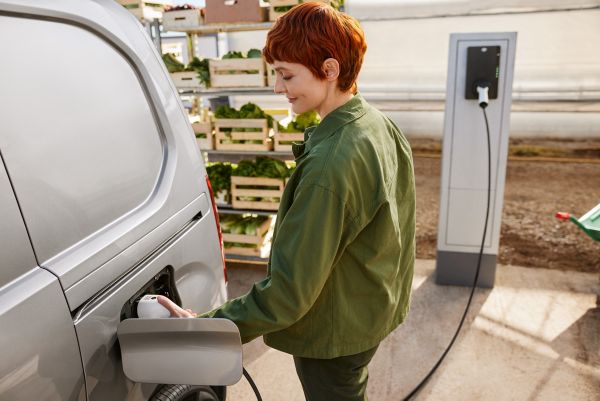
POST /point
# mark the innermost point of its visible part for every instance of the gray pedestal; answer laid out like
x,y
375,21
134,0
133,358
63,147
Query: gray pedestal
x,y
458,268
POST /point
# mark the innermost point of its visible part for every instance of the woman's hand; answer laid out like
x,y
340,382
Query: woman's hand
x,y
176,310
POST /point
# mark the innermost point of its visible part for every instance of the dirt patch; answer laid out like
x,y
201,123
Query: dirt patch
x,y
534,192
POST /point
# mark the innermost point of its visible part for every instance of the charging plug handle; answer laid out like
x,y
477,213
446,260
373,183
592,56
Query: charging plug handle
x,y
483,94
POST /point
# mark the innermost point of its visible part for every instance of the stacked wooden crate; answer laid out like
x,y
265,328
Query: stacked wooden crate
x,y
237,72
258,241
175,20
267,191
231,134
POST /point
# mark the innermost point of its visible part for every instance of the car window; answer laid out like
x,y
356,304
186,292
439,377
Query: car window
x,y
79,138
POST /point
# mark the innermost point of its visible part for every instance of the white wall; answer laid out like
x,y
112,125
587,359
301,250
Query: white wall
x,y
558,58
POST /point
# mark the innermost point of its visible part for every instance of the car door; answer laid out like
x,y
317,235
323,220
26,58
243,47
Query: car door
x,y
40,356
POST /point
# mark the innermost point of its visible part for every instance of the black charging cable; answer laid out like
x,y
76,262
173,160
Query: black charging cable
x,y
252,384
483,102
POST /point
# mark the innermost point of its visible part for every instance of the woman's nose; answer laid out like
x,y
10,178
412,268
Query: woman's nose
x,y
279,86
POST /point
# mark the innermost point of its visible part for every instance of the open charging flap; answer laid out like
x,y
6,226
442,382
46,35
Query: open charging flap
x,y
181,351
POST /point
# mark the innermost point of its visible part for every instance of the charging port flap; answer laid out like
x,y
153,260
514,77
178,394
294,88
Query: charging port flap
x,y
181,351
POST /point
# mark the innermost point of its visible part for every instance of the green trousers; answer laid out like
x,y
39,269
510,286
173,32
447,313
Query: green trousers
x,y
338,379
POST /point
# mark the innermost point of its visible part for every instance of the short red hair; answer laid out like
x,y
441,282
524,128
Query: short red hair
x,y
310,33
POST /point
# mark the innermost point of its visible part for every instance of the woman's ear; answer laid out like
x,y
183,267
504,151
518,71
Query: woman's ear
x,y
331,67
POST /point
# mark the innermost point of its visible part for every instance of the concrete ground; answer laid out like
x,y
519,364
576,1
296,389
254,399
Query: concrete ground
x,y
534,336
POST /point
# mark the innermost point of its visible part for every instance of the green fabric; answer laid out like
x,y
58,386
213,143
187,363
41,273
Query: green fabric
x,y
341,264
340,379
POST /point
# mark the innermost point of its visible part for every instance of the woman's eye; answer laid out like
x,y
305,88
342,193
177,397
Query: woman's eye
x,y
286,78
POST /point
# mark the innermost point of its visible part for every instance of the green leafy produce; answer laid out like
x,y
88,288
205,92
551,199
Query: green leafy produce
x,y
305,120
226,112
249,110
173,65
246,168
232,54
254,53
262,167
201,67
219,175
301,122
241,224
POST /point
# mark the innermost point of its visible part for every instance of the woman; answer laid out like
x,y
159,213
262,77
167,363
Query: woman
x,y
341,265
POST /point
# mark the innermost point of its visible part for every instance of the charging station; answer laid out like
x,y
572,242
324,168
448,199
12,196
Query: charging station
x,y
485,60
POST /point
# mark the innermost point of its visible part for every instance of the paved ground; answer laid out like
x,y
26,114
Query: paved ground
x,y
534,336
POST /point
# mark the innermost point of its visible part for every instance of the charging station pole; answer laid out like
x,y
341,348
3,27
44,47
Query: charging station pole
x,y
474,58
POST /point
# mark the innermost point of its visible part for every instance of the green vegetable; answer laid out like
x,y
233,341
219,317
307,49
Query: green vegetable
x,y
232,54
173,65
282,9
262,167
201,67
301,122
241,224
249,110
226,112
219,175
254,53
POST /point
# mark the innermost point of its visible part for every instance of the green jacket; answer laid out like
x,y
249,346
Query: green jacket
x,y
341,265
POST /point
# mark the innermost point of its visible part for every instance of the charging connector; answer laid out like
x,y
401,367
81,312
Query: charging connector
x,y
482,92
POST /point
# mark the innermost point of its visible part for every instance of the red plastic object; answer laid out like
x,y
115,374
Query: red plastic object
x,y
562,216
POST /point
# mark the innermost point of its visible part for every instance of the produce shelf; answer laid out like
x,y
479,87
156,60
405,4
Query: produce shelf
x,y
234,156
245,259
232,91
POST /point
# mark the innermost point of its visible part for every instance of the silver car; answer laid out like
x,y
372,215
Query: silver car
x,y
103,198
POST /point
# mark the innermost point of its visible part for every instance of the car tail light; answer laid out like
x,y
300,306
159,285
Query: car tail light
x,y
214,206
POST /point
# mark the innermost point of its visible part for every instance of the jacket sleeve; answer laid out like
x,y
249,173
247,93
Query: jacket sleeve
x,y
314,232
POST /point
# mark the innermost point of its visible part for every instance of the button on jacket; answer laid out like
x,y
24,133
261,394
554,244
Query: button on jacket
x,y
342,257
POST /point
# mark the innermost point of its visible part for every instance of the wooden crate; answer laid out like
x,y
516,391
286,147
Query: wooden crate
x,y
204,135
280,139
146,10
222,137
228,12
260,239
181,19
229,73
186,80
268,188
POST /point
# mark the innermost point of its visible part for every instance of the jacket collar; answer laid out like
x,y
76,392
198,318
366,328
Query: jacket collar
x,y
345,114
